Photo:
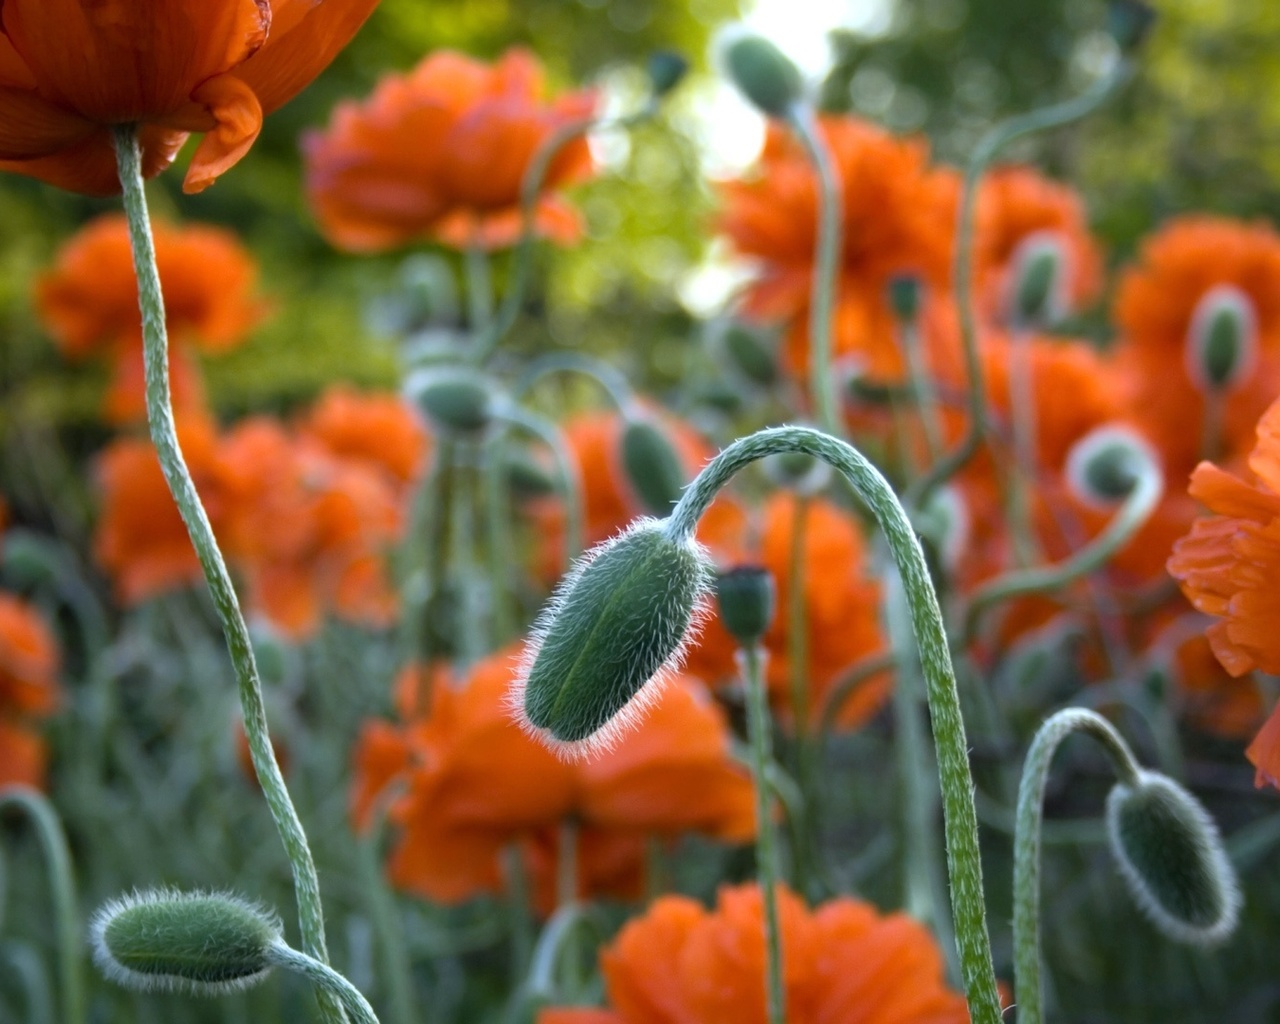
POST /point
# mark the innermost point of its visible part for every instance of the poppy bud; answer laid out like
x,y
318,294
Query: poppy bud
x,y
1222,340
1104,466
617,624
944,521
457,400
763,74
652,466
746,596
1129,22
666,70
719,395
748,352
198,942
1171,855
802,474
525,476
1038,281
904,297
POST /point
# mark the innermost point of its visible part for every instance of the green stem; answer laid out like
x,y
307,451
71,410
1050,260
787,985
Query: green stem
x,y
989,147
826,270
961,824
1026,854
62,886
613,383
502,549
566,470
758,726
326,979
397,971
479,287
923,392
517,877
1136,510
165,438
848,684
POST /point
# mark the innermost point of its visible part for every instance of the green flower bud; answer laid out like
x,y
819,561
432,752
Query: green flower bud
x,y
651,465
457,400
1222,340
666,70
1171,855
617,624
904,297
1038,281
526,477
763,74
945,522
1103,467
198,942
749,353
746,596
1129,22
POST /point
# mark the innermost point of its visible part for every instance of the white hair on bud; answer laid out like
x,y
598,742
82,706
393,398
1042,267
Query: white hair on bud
x,y
1219,298
1094,444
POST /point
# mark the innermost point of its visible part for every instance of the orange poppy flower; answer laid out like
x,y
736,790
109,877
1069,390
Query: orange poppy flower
x,y
681,964
898,215
379,429
842,609
28,690
474,129
1017,206
88,301
474,784
71,69
1185,264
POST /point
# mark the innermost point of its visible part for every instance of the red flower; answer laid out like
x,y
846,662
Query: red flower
x,y
28,690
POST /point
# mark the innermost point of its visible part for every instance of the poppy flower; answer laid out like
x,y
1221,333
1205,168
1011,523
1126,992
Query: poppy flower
x,y
1017,208
441,153
841,601
70,70
28,690
1227,566
1190,264
898,216
88,301
682,964
474,784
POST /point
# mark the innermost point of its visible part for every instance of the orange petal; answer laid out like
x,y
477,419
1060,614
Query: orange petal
x,y
238,114
32,127
89,166
1264,752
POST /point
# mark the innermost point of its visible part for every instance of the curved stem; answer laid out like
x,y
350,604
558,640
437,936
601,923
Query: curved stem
x,y
1026,851
826,269
863,671
567,471
62,887
961,824
613,383
989,147
326,979
165,438
1135,511
923,392
752,666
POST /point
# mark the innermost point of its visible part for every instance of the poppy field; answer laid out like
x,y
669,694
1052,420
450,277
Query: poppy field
x,y
563,513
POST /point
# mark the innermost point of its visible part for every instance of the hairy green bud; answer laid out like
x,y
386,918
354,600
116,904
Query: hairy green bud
x,y
618,623
1129,22
666,70
904,297
1222,339
1104,466
457,400
199,942
1171,855
1039,281
651,465
763,74
746,596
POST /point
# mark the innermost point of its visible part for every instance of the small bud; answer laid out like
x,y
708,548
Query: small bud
x,y
651,465
720,395
904,297
617,624
525,476
1104,466
746,596
666,70
750,354
198,942
1129,22
763,74
802,474
1222,339
1038,281
1171,855
946,522
457,400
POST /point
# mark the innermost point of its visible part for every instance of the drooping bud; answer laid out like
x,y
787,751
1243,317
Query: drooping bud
x,y
904,297
1038,281
198,942
1129,22
617,624
1171,855
667,69
651,465
1105,465
763,74
945,521
745,596
749,353
456,399
797,472
1222,339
